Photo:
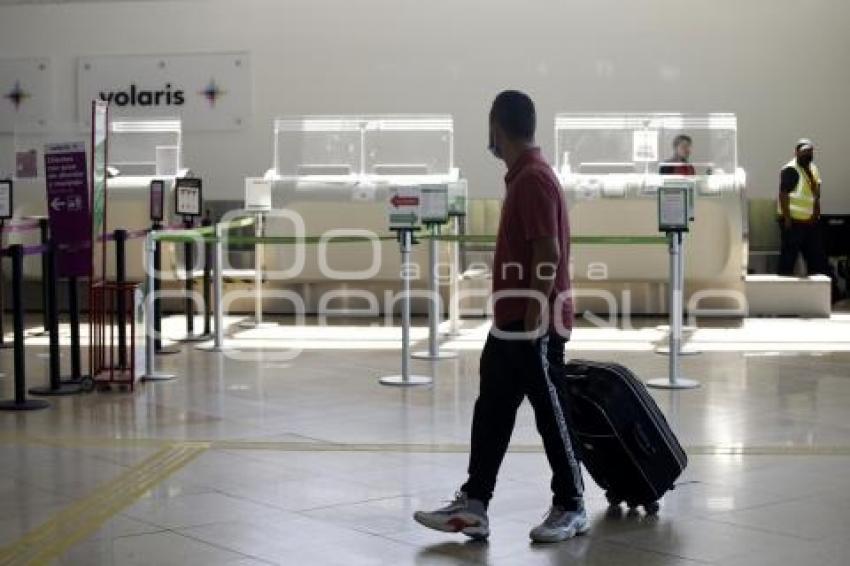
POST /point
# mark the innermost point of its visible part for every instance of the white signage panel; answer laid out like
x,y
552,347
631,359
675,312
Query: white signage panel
x,y
208,91
403,207
258,194
24,94
673,212
645,146
434,204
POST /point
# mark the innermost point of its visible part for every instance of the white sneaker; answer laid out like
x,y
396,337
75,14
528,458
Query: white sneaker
x,y
463,515
560,525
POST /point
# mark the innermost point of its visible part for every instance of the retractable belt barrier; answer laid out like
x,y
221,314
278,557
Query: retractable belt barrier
x,y
216,235
182,236
20,402
20,227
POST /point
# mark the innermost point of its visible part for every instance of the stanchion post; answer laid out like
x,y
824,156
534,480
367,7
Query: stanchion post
x,y
120,237
259,261
151,298
85,381
157,286
454,285
405,236
219,283
674,380
3,343
189,261
207,280
20,402
434,302
44,237
56,387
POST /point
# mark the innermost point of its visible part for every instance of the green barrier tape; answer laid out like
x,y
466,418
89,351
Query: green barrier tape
x,y
590,240
205,232
195,235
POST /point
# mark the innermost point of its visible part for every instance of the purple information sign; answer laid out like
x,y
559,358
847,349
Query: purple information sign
x,y
68,207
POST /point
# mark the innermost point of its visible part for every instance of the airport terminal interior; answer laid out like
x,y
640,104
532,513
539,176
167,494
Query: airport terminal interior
x,y
252,252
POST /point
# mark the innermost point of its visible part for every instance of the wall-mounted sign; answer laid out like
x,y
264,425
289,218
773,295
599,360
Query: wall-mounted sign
x,y
403,207
188,199
24,94
66,176
209,92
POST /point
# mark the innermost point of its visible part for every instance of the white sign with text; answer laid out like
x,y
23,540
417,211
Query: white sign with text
x,y
208,91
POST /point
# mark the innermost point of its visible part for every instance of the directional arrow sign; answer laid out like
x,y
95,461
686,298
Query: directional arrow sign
x,y
57,204
398,201
403,207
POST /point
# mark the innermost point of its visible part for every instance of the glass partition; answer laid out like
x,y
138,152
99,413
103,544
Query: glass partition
x,y
618,155
22,151
145,147
402,148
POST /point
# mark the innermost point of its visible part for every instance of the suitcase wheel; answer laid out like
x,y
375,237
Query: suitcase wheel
x,y
614,500
651,508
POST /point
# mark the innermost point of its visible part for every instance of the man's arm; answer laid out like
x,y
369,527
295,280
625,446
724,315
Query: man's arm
x,y
545,256
787,184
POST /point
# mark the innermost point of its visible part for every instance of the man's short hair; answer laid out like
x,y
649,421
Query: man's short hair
x,y
682,138
514,112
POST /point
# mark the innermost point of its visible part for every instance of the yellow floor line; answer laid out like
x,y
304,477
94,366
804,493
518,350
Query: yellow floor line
x,y
84,517
312,446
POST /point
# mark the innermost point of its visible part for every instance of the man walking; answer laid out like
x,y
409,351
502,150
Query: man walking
x,y
533,314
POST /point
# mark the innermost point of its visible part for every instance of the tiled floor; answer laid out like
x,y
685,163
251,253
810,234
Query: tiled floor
x,y
309,461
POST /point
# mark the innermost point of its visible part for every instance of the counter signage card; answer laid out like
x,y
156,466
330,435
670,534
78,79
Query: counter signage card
x,y
403,207
66,177
6,205
457,198
258,194
673,208
645,146
188,197
157,196
434,204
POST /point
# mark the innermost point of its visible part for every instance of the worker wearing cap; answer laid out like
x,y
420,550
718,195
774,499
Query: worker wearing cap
x,y
798,209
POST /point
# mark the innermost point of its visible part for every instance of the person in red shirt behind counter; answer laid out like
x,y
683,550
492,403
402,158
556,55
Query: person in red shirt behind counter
x,y
680,163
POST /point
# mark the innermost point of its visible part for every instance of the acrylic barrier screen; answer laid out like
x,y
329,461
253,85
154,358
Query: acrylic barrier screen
x,y
626,143
363,146
137,148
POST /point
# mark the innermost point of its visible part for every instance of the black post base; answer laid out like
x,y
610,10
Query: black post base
x,y
194,338
6,346
25,405
84,382
63,389
165,350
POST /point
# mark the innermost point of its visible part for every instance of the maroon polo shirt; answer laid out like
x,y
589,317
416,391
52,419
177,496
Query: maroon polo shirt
x,y
533,208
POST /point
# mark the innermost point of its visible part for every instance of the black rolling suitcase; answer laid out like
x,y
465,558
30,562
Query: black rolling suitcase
x,y
621,435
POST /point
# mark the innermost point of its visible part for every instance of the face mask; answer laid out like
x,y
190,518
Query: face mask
x,y
805,160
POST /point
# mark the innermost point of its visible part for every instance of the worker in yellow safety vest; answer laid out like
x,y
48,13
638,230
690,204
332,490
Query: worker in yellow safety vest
x,y
798,210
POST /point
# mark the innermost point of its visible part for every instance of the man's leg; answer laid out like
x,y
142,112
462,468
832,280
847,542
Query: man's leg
x,y
538,361
790,248
499,397
814,254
